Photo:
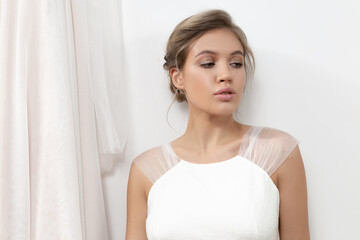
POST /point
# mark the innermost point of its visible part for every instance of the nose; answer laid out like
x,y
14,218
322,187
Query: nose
x,y
224,73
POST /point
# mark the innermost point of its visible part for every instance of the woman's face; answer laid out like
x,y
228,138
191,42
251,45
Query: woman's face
x,y
215,62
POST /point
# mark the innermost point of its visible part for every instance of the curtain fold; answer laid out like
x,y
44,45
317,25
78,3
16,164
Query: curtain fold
x,y
62,116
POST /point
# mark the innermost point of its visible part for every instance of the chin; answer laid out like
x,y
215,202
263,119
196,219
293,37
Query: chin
x,y
222,109
225,111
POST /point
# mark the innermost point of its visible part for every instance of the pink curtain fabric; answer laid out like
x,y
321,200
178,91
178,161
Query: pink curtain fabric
x,y
61,116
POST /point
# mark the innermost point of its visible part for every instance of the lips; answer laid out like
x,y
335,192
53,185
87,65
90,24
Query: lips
x,y
225,94
225,91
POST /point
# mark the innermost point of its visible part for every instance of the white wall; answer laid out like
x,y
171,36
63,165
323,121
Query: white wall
x,y
307,83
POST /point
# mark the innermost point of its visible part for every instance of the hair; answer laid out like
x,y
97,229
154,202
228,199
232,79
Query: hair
x,y
191,29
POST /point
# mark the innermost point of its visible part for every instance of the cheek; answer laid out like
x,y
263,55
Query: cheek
x,y
198,83
241,79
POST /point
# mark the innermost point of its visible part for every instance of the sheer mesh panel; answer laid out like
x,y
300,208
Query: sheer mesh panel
x,y
155,162
267,147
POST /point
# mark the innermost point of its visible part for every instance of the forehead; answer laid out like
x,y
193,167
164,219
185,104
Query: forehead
x,y
222,41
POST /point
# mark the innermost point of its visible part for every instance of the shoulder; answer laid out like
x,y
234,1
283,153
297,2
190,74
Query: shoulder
x,y
149,155
148,160
141,173
269,147
272,139
154,162
273,135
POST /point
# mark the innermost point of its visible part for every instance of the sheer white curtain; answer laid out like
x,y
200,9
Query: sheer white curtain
x,y
62,116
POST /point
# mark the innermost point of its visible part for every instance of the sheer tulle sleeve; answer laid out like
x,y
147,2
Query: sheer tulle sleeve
x,y
155,162
267,147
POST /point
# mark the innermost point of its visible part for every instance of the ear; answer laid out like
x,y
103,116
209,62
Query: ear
x,y
176,78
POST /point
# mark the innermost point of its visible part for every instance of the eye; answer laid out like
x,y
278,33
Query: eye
x,y
207,64
236,64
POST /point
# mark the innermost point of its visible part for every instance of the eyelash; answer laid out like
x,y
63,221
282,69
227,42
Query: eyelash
x,y
207,64
211,64
237,64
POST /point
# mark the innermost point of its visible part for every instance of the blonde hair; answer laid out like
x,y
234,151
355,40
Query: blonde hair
x,y
191,29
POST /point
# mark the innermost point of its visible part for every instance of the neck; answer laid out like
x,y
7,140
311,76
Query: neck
x,y
206,131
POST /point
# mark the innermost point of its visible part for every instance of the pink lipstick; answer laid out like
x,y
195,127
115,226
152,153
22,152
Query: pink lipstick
x,y
225,94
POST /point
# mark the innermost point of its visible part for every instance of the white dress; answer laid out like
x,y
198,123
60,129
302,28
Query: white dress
x,y
231,199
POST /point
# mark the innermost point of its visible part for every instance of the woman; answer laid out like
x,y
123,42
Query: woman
x,y
221,179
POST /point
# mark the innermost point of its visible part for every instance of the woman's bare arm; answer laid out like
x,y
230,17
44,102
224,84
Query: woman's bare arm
x,y
291,181
136,205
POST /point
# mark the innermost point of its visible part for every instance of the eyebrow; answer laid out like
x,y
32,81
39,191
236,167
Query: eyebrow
x,y
214,53
237,52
